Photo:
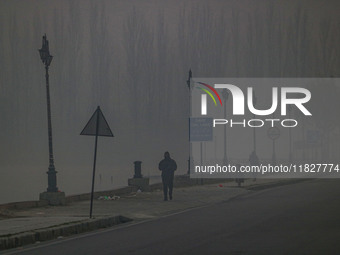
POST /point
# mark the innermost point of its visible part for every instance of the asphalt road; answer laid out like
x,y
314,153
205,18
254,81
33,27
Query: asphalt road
x,y
302,218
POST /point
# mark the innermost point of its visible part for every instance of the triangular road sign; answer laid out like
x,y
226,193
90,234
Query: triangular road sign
x,y
97,125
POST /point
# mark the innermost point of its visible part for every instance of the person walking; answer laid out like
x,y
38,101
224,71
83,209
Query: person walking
x,y
240,178
168,167
254,161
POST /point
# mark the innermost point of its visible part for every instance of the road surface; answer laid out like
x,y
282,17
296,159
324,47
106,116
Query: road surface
x,y
302,218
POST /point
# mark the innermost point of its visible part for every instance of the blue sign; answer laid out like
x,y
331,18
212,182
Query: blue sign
x,y
201,129
313,136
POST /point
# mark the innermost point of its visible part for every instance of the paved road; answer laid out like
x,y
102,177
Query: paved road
x,y
301,218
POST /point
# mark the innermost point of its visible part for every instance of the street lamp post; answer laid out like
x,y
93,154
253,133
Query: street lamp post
x,y
46,58
225,95
290,136
190,146
303,140
274,150
254,131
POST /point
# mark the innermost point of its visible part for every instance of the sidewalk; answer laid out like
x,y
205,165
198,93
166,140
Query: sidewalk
x,y
25,226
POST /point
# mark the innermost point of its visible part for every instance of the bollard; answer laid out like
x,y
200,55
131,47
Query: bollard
x,y
138,180
138,169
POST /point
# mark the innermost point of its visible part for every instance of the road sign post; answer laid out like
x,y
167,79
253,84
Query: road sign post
x,y
273,133
96,126
201,130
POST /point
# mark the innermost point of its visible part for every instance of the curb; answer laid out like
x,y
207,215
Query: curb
x,y
49,233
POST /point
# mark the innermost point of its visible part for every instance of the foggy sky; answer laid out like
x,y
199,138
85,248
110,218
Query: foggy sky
x,y
132,58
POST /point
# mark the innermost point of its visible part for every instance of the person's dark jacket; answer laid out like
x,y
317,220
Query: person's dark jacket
x,y
168,166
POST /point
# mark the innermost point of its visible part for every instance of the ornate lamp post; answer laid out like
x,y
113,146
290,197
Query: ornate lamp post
x,y
46,58
225,95
254,130
274,148
189,86
290,135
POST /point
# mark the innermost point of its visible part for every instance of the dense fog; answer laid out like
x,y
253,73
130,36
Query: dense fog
x,y
132,58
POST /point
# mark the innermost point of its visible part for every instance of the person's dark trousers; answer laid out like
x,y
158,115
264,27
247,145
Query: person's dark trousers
x,y
167,186
171,185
